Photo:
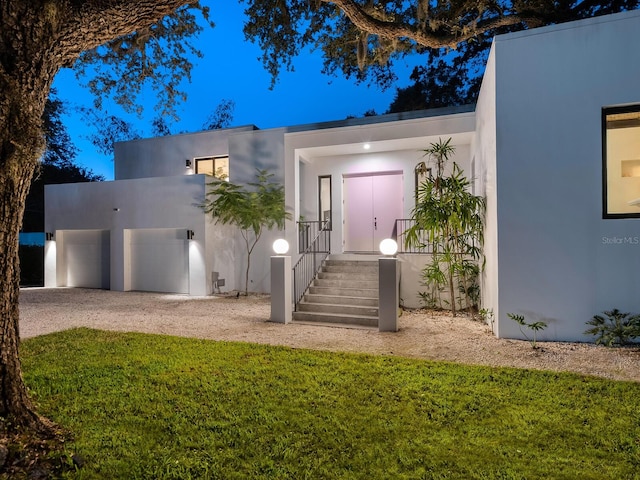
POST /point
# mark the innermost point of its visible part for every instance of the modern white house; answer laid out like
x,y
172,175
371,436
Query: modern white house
x,y
553,144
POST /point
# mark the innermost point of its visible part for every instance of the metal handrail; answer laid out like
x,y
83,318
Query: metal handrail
x,y
313,254
424,242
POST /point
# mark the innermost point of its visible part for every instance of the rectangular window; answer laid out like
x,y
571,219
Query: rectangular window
x,y
324,198
621,162
214,166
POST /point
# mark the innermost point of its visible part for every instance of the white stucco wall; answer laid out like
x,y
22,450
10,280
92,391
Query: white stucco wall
x,y
484,153
166,156
121,206
555,261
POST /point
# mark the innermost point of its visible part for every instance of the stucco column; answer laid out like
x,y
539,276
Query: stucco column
x,y
388,294
281,304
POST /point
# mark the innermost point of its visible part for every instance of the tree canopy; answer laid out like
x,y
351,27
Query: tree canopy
x,y
362,39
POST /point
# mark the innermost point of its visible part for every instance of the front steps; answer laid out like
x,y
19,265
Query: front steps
x,y
344,293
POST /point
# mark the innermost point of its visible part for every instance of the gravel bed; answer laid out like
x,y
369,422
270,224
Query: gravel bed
x,y
426,335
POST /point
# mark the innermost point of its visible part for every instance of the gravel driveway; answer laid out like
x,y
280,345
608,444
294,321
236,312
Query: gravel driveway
x,y
425,335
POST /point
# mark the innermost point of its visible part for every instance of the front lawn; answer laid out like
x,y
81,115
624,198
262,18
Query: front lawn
x,y
159,407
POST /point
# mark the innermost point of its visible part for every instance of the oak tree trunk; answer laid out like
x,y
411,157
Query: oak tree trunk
x,y
21,144
25,80
37,38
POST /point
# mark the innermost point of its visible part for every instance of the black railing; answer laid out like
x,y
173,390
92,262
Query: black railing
x,y
314,242
423,244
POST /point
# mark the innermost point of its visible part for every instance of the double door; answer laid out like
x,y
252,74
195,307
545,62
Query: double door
x,y
372,203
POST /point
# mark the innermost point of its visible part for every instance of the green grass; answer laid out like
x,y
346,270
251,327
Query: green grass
x,y
159,407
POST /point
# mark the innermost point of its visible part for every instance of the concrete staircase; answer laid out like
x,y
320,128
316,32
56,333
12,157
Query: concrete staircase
x,y
345,293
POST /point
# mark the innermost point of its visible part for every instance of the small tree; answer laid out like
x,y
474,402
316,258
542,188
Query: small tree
x,y
451,219
252,210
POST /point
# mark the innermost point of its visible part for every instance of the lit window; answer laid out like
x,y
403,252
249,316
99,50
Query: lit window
x,y
214,166
621,162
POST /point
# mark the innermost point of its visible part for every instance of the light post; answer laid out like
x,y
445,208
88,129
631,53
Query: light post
x,y
281,310
388,287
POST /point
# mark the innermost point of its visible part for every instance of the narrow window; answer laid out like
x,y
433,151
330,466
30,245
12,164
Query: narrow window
x,y
621,162
324,200
214,166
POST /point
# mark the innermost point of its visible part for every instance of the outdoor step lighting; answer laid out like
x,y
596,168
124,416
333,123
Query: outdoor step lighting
x,y
280,246
281,304
388,287
388,247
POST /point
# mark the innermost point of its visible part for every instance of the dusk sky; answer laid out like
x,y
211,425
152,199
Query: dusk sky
x,y
230,70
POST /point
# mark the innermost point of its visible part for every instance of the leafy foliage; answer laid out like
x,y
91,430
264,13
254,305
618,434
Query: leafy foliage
x,y
363,39
535,327
256,208
221,117
158,56
448,222
615,327
109,129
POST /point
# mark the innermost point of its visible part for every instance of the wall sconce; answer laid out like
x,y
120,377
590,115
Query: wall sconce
x,y
188,163
49,236
190,234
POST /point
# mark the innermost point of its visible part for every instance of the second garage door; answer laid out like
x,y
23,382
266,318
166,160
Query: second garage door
x,y
159,260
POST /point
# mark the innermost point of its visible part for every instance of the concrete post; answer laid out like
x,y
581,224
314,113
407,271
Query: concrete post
x,y
281,304
388,294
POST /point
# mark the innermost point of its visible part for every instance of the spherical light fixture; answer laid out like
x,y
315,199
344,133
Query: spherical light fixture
x,y
388,246
280,246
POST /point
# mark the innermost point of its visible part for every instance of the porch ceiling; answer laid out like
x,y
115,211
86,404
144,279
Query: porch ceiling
x,y
397,144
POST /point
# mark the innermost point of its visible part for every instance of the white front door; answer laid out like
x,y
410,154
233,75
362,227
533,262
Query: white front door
x,y
372,203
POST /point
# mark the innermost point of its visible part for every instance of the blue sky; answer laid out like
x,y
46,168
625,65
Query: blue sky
x,y
231,70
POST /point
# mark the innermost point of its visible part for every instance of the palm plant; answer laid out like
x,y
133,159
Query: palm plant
x,y
451,218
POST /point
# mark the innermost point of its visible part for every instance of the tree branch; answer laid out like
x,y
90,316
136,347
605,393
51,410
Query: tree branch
x,y
449,37
87,25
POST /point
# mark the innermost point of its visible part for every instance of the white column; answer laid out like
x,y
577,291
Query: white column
x,y
281,304
388,294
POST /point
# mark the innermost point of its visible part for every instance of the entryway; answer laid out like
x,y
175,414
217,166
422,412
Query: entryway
x,y
372,203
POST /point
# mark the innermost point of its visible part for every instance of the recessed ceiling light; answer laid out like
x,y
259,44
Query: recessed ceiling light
x,y
366,146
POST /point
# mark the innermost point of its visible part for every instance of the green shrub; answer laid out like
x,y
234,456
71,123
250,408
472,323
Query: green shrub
x,y
534,327
616,328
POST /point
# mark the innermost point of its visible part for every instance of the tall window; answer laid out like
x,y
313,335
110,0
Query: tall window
x,y
324,200
621,162
214,166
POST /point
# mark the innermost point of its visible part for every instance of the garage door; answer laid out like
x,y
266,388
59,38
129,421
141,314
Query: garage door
x,y
159,260
86,255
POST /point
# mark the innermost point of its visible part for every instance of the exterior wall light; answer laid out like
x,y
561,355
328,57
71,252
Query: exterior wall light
x,y
49,236
280,246
188,163
190,234
281,286
388,247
